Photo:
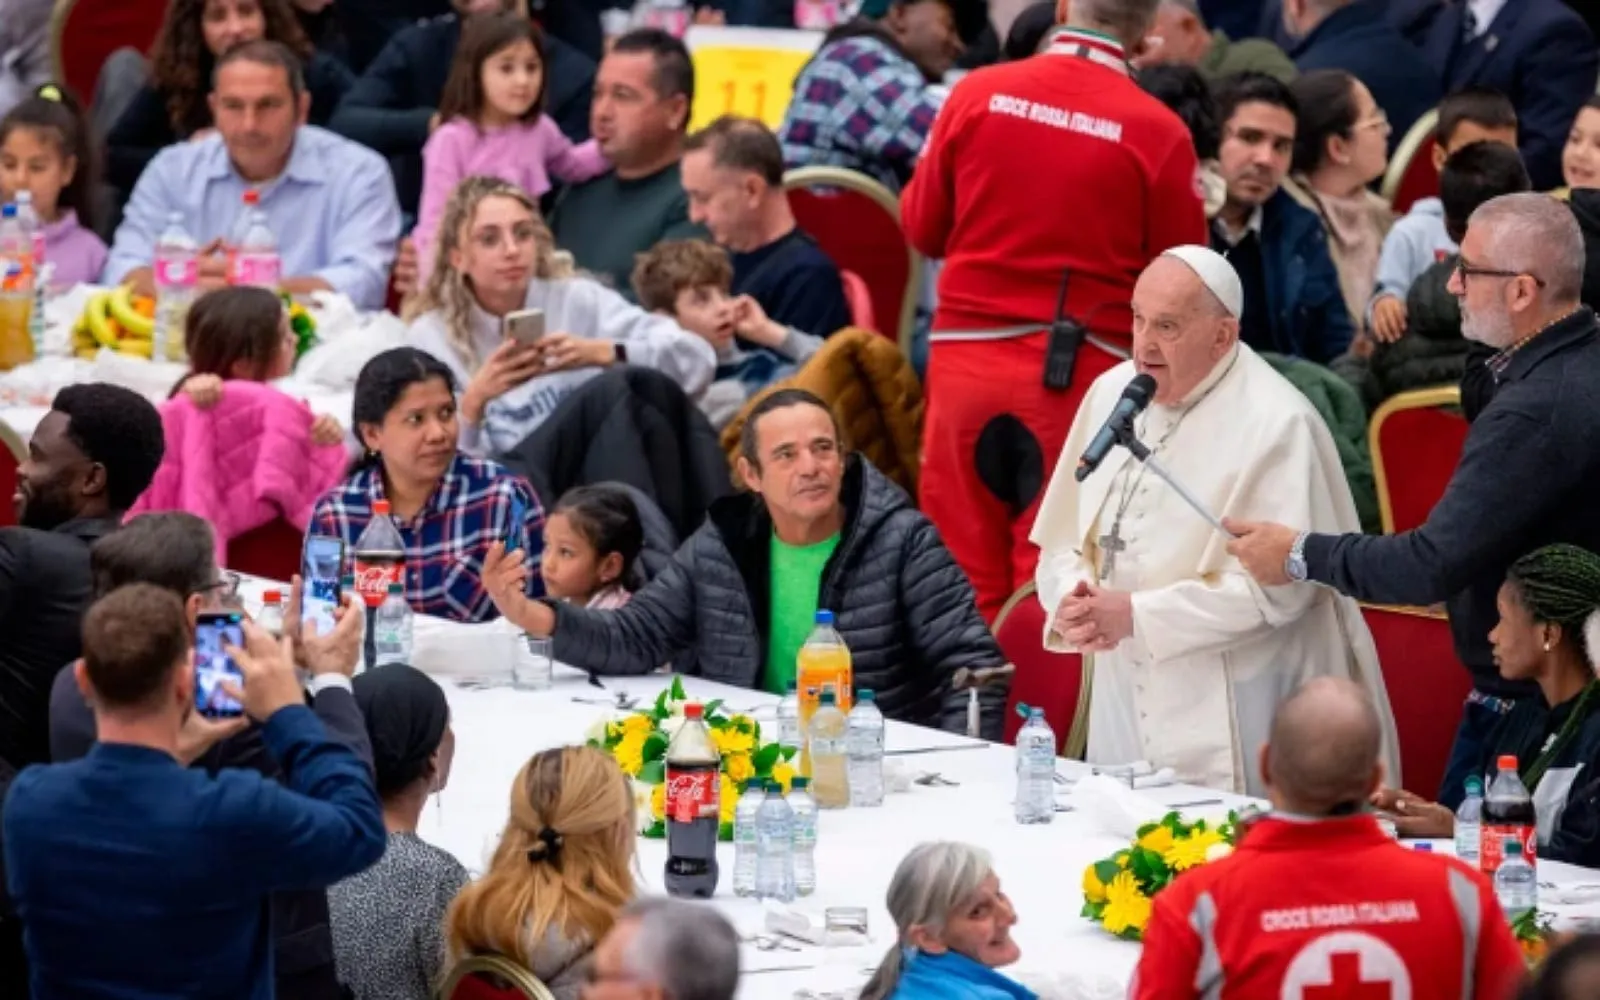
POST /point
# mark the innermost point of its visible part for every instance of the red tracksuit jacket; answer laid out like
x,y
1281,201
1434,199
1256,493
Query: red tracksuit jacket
x,y
1051,163
1328,910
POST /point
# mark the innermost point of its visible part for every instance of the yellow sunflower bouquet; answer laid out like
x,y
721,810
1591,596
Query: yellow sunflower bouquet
x,y
638,743
1117,891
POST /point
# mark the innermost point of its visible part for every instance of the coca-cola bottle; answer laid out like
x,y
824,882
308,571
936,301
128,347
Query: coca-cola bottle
x,y
1507,812
694,787
380,559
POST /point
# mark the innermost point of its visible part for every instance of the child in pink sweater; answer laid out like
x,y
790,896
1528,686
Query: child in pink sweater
x,y
493,123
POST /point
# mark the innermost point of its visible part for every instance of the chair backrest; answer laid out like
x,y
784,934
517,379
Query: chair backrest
x,y
856,221
491,977
271,551
1411,175
859,297
1415,439
84,33
11,459
1054,682
1426,685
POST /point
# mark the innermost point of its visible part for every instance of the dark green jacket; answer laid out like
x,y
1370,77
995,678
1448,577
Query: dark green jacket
x,y
1342,409
1227,57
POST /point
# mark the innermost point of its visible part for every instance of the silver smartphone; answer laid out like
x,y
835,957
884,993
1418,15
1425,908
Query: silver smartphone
x,y
525,326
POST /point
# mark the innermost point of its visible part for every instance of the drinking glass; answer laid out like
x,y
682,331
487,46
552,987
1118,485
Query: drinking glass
x,y
1122,774
845,927
532,663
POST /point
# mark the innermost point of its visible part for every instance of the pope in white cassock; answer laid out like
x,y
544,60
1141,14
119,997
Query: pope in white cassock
x,y
1187,656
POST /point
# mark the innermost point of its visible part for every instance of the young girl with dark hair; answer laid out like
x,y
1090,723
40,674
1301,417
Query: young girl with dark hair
x,y
494,124
448,507
48,150
592,542
241,334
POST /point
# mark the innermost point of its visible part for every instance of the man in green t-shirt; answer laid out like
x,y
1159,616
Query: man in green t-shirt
x,y
642,96
817,529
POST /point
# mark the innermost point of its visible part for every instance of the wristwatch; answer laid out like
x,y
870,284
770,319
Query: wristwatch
x,y
620,355
1295,566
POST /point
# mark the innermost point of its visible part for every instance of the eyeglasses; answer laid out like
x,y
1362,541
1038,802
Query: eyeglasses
x,y
1378,119
1465,271
226,589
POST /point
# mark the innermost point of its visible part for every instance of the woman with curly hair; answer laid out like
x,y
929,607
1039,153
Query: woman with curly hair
x,y
493,255
561,873
173,105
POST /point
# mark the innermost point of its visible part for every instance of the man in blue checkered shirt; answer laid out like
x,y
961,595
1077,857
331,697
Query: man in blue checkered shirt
x,y
864,102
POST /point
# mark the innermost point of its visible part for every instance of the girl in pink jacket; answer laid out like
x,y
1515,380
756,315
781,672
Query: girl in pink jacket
x,y
492,123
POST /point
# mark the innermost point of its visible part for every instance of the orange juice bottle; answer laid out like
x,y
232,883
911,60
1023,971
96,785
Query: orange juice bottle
x,y
823,660
16,305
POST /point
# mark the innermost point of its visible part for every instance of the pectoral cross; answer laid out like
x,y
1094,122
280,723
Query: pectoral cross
x,y
1110,545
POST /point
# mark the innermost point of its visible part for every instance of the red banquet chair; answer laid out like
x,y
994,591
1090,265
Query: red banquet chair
x,y
1415,439
83,33
1411,175
856,221
271,551
11,458
1426,685
859,297
491,977
1055,682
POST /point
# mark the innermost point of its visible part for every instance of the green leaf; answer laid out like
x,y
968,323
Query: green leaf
x,y
788,752
725,832
1105,871
1131,934
712,706
661,705
677,688
656,831
764,758
654,772
655,746
1139,833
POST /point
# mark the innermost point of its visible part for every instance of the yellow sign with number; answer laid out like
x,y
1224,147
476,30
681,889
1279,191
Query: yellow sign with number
x,y
746,71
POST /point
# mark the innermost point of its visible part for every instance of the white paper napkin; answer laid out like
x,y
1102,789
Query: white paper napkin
x,y
1114,807
795,923
1083,986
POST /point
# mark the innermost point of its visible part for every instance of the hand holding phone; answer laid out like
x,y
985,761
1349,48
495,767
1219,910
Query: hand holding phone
x,y
321,570
214,669
525,326
266,680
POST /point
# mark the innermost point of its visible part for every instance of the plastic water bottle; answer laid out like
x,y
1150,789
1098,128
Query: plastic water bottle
x,y
775,846
253,250
825,738
789,733
270,620
1516,884
864,744
16,293
745,838
392,628
1036,769
32,232
1469,821
805,836
177,272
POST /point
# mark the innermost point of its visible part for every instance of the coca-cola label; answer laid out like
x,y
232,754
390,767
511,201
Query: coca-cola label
x,y
260,269
693,795
177,272
1492,844
373,579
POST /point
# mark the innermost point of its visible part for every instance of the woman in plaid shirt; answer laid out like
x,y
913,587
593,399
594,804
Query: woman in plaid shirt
x,y
447,506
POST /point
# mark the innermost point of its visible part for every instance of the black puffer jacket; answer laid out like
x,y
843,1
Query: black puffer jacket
x,y
1432,351
903,606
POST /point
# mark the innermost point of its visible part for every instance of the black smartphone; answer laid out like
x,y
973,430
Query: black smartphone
x,y
321,570
212,664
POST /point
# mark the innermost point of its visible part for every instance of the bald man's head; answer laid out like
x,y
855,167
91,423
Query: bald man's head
x,y
1324,750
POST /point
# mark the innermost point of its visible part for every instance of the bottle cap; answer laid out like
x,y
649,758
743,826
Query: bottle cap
x,y
396,587
1474,785
694,710
1513,846
252,197
380,507
347,581
1424,847
865,694
1507,762
826,698
272,597
10,211
798,782
824,616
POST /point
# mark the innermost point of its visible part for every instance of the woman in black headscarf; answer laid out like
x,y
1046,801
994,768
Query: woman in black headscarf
x,y
387,921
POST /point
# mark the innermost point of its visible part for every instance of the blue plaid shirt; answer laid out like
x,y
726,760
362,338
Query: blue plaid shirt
x,y
477,503
862,105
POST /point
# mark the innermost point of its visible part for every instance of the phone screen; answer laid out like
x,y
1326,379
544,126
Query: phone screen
x,y
212,664
321,569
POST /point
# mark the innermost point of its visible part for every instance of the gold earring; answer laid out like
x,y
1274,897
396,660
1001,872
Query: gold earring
x,y
1547,645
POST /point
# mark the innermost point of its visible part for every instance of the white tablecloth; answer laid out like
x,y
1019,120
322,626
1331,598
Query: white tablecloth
x,y
1040,867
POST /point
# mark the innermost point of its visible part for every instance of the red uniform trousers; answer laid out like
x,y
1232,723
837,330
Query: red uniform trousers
x,y
991,437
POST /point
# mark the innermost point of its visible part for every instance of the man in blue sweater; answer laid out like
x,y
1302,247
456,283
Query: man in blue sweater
x,y
135,876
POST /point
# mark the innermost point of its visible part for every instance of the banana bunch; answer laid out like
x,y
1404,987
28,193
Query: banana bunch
x,y
118,320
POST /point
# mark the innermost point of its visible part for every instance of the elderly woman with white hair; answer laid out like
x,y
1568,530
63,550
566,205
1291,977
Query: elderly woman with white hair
x,y
953,929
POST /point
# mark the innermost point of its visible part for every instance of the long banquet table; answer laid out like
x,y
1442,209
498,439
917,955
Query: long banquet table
x,y
1040,867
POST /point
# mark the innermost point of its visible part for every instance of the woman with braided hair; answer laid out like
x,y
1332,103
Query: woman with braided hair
x,y
1549,633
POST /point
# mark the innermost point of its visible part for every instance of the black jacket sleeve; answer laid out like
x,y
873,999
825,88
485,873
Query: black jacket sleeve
x,y
71,720
382,110
142,131
944,627
570,90
1484,515
342,717
327,80
653,627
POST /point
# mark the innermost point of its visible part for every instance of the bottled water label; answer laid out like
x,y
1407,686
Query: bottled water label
x,y
177,272
259,269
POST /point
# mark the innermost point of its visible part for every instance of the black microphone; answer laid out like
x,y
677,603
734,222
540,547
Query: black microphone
x,y
1134,399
